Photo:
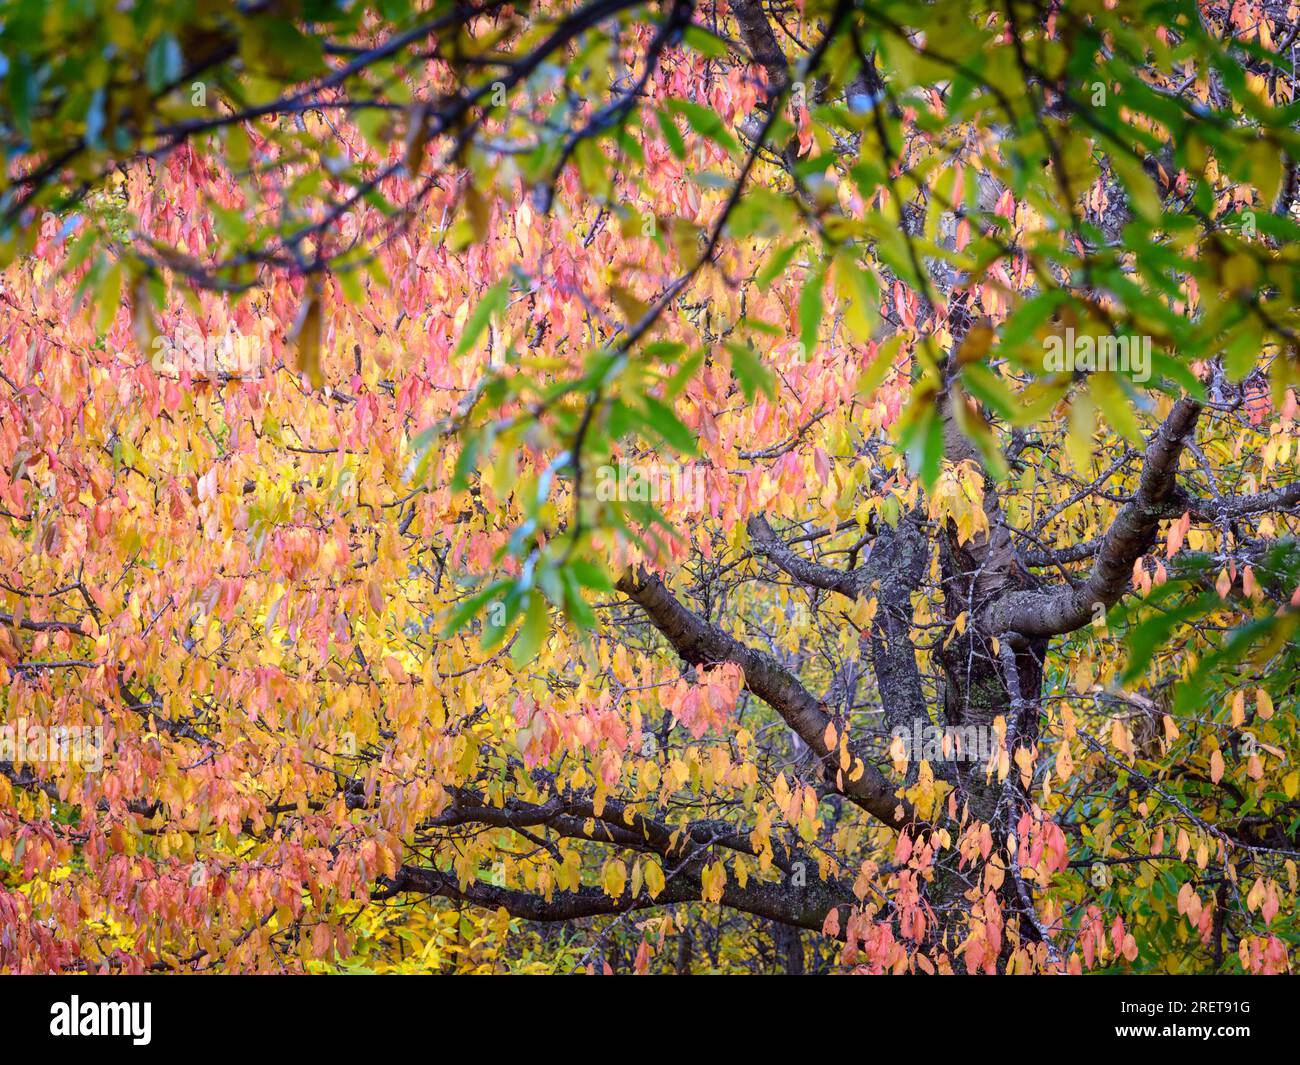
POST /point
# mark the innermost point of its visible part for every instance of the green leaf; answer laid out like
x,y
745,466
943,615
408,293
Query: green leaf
x,y
494,301
575,606
811,307
470,607
664,422
22,92
874,375
537,623
1243,349
749,370
704,42
921,437
163,64
589,575
988,388
706,122
1032,313
672,135
776,265
683,374
1155,631
1114,404
467,462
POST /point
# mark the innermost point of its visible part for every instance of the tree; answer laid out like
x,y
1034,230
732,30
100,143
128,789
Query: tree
x,y
649,486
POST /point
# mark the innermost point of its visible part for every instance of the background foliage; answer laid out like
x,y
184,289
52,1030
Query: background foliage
x,y
389,682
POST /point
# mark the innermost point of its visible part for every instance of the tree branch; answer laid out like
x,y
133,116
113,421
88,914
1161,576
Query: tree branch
x,y
802,907
1060,610
700,643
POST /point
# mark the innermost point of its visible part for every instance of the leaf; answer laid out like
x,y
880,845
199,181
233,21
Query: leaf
x,y
922,439
666,424
532,632
575,606
704,121
1082,428
811,308
1112,401
749,371
417,137
874,375
705,42
1029,315
589,575
858,287
976,345
494,301
654,878
307,338
672,135
1149,635
989,389
683,375
776,265
614,878
471,606
109,297
1242,350
163,64
21,84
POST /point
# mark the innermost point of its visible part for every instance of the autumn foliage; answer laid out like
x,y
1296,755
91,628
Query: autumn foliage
x,y
589,529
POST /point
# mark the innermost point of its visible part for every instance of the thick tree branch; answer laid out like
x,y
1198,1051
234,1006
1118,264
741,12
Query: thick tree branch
x,y
899,560
765,541
1061,610
43,626
1203,511
762,43
700,643
802,907
892,572
617,822
1209,511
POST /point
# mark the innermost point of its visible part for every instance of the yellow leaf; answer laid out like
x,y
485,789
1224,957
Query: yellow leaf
x,y
1119,737
307,338
614,879
1263,704
1238,708
654,879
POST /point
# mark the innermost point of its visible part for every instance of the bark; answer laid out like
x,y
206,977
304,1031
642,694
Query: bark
x,y
1061,610
802,907
576,816
893,572
787,945
761,41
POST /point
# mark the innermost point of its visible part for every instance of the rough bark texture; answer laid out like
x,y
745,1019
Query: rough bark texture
x,y
804,908
1051,613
